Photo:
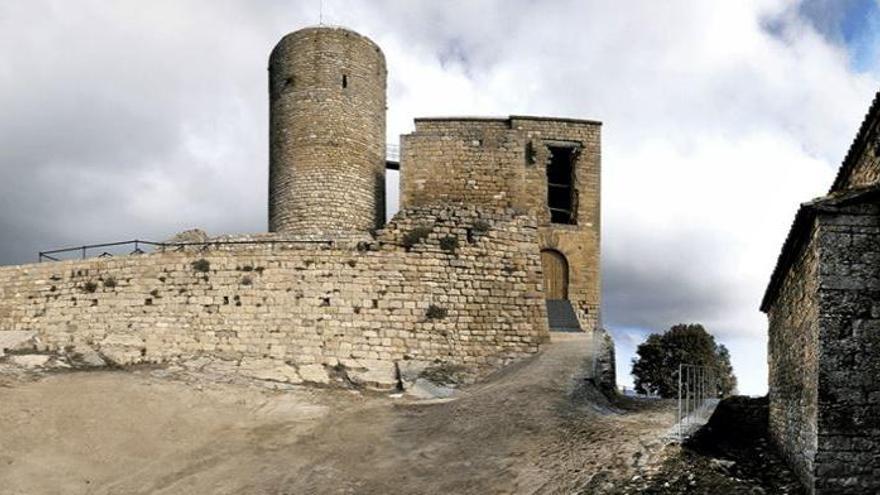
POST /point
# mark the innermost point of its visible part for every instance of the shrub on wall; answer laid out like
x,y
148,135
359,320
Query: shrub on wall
x,y
416,236
436,312
449,244
482,226
201,265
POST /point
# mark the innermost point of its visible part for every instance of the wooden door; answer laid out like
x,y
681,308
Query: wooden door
x,y
555,274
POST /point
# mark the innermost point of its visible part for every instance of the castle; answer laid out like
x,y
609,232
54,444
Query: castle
x,y
496,244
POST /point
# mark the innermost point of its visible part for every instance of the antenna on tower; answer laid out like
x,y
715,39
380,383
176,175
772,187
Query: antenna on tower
x,y
321,14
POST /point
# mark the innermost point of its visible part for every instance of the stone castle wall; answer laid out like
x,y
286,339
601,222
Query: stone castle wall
x,y
327,133
502,163
440,285
793,364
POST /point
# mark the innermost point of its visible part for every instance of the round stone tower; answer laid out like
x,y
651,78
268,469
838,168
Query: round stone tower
x,y
326,133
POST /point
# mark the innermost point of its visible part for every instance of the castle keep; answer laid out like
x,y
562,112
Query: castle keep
x,y
327,133
496,244
823,307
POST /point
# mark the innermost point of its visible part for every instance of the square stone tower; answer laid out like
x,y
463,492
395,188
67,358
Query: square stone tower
x,y
549,167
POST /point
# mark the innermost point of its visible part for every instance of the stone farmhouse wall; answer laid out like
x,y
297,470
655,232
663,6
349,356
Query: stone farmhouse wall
x,y
501,162
794,364
824,347
455,286
823,306
848,454
861,166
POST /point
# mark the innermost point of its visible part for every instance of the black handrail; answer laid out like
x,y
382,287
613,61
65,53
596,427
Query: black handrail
x,y
47,255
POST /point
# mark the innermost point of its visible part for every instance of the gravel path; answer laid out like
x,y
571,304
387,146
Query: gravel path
x,y
536,427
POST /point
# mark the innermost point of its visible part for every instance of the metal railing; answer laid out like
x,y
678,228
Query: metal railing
x,y
697,397
83,252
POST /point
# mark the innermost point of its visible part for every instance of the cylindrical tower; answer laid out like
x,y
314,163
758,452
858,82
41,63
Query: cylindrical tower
x,y
326,133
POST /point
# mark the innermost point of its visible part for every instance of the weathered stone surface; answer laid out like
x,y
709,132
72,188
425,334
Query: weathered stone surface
x,y
314,373
410,371
606,362
269,369
16,340
187,236
122,349
424,389
372,373
86,357
30,360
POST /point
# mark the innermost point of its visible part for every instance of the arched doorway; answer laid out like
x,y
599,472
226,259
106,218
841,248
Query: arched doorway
x,y
555,274
560,313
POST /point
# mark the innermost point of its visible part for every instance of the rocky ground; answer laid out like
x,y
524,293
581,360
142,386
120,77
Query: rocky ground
x,y
732,454
536,427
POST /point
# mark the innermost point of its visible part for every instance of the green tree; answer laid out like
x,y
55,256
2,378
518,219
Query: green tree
x,y
656,367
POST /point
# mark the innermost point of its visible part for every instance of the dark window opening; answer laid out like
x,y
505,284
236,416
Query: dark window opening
x,y
344,81
531,154
560,185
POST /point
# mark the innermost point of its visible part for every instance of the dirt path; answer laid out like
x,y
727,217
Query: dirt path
x,y
533,428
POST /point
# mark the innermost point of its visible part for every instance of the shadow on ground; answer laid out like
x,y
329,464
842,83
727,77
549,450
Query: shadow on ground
x,y
732,454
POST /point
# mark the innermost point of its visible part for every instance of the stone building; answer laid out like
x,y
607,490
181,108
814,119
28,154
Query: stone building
x,y
499,228
547,167
823,307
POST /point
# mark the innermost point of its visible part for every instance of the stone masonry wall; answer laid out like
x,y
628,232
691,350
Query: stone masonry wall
x,y
440,285
502,163
327,133
848,456
793,364
866,171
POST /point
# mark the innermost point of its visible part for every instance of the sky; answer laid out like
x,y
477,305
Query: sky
x,y
132,119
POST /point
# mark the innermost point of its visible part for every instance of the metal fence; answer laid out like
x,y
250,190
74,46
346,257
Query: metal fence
x,y
137,246
697,397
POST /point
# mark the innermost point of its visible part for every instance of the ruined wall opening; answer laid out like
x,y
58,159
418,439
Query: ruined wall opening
x,y
560,185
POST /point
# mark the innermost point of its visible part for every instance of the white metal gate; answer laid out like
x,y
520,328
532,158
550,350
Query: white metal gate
x,y
697,397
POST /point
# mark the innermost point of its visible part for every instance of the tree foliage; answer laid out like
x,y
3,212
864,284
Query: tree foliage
x,y
656,367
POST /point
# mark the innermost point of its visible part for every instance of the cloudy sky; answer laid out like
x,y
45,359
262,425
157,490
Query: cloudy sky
x,y
139,119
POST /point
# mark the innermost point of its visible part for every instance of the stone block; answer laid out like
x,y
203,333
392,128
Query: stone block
x,y
269,369
30,360
425,389
314,373
14,340
372,374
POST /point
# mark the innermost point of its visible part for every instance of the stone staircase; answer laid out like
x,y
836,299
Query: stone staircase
x,y
561,316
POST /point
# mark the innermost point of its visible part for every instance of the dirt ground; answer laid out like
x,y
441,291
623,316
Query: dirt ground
x,y
731,454
536,427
